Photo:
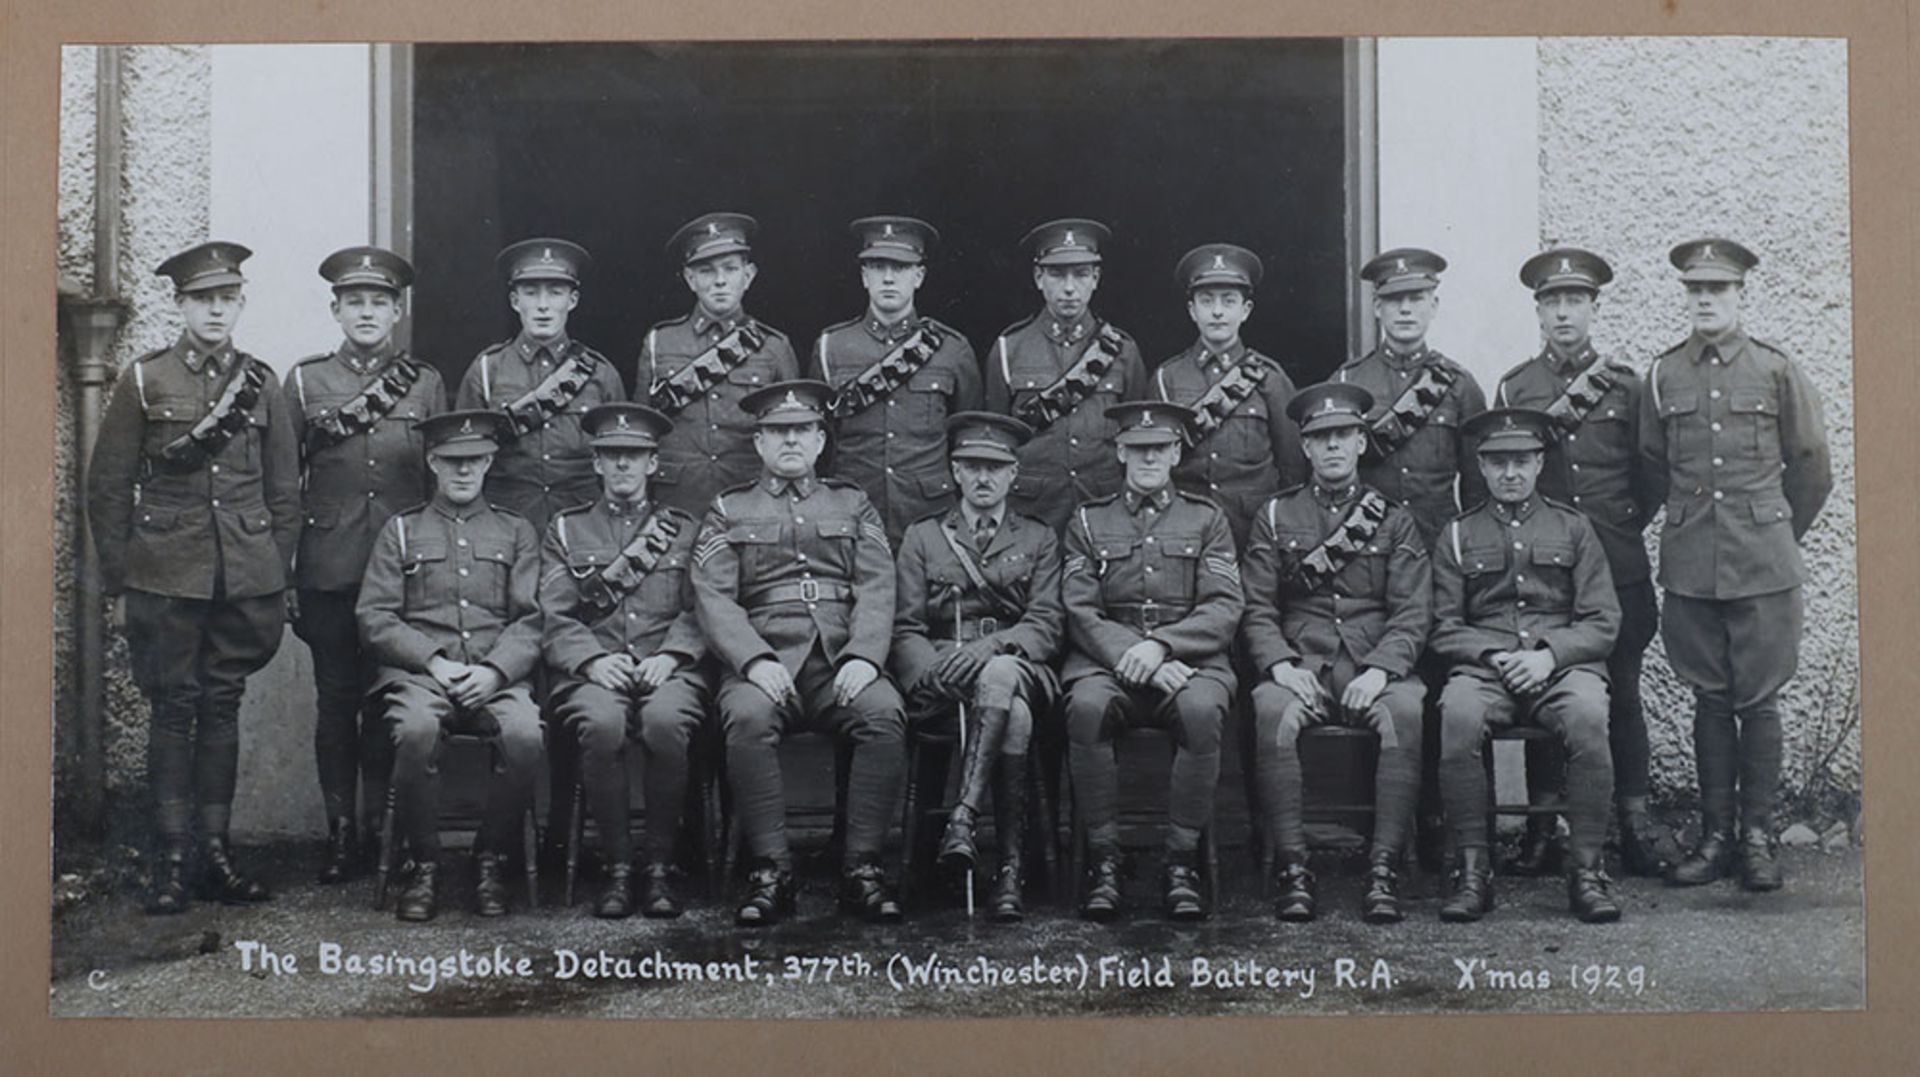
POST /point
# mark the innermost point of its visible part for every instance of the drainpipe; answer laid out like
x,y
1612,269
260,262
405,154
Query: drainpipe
x,y
90,323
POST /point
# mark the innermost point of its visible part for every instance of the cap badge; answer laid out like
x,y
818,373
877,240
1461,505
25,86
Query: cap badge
x,y
1400,265
1146,418
713,228
1068,241
546,254
1506,422
621,420
366,260
1329,406
1219,261
888,230
466,426
792,401
1706,250
1566,265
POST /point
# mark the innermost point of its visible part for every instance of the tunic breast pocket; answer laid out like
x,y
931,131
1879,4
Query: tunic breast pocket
x,y
493,571
1757,411
169,415
424,568
1482,566
661,589
1552,570
756,543
1106,554
929,395
836,537
1177,577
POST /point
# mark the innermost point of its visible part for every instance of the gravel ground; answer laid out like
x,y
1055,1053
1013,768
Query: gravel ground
x,y
1711,948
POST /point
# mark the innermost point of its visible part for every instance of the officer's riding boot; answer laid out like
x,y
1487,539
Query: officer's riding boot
x,y
1590,891
1102,901
1294,900
616,901
770,896
1758,868
657,899
1540,851
1010,831
1472,895
1381,904
341,860
957,846
421,899
1183,888
490,886
864,890
221,881
167,893
1646,849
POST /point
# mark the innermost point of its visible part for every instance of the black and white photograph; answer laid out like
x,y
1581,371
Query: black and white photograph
x,y
1138,527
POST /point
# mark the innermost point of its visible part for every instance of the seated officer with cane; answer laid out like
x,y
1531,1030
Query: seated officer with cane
x,y
1339,600
447,609
1524,617
624,648
978,621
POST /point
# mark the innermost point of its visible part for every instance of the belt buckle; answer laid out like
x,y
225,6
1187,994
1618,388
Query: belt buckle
x,y
988,626
809,590
1149,615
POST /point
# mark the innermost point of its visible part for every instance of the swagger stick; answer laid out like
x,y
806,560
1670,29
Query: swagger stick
x,y
963,734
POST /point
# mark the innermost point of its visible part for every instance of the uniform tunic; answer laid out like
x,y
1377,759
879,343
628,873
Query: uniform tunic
x,y
711,445
350,489
1431,475
896,449
654,617
1373,614
1254,453
1158,567
1517,578
1073,460
799,571
551,468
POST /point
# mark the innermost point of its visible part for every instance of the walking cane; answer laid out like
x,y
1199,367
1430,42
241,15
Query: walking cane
x,y
963,736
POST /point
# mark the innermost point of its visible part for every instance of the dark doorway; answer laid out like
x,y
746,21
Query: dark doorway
x,y
1172,143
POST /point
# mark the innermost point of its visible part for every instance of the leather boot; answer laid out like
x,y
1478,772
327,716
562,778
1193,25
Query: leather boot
x,y
221,881
1010,830
657,899
1758,869
420,901
1540,851
1183,889
616,901
490,886
1102,902
957,849
770,896
1646,848
864,891
341,862
167,892
1472,891
1707,862
1381,903
1590,893
1295,900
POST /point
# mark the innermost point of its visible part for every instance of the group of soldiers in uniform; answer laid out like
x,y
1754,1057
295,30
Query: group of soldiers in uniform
x,y
897,535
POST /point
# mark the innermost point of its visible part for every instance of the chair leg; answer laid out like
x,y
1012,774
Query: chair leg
x,y
576,830
1046,820
1076,846
910,819
386,854
529,848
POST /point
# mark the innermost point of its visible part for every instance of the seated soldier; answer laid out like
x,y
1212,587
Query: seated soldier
x,y
624,648
1152,593
978,621
793,583
1524,617
1339,600
447,611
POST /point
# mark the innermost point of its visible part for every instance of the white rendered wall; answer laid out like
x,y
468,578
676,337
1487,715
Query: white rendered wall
x,y
1459,159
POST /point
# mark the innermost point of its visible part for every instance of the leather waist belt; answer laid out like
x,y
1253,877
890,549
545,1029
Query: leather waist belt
x,y
970,629
1147,616
808,591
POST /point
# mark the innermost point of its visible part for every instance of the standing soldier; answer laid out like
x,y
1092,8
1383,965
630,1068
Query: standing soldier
x,y
899,376
447,609
1245,447
1524,616
793,581
1737,449
624,649
978,623
360,462
543,381
194,503
1059,370
697,368
1420,400
1596,467
1152,591
1339,600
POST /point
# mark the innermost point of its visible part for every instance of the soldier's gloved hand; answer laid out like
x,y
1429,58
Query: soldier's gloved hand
x,y
1172,676
1528,671
653,671
614,672
1362,691
1304,686
854,676
1138,662
961,666
768,675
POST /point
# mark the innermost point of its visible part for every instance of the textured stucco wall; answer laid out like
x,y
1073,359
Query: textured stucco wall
x,y
1648,141
165,110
